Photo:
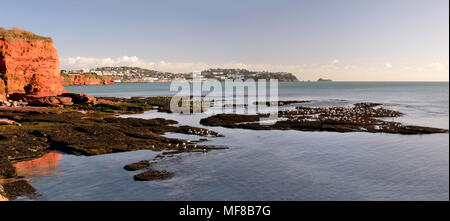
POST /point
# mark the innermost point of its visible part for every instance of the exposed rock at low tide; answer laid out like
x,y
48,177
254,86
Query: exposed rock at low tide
x,y
153,175
12,190
64,99
7,170
137,166
85,134
283,103
161,104
361,117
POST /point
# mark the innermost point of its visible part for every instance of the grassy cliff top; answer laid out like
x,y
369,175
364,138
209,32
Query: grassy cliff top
x,y
18,34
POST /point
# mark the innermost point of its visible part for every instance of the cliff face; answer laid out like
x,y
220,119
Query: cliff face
x,y
29,66
86,79
2,90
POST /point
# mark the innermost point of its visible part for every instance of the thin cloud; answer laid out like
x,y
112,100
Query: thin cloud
x,y
76,63
437,66
335,70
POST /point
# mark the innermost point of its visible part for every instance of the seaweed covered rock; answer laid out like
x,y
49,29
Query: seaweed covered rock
x,y
82,133
361,117
15,189
137,166
7,170
153,175
64,99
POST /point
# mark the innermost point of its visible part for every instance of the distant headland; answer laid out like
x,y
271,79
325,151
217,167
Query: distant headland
x,y
136,74
324,80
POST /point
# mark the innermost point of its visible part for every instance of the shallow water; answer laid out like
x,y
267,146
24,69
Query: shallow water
x,y
273,165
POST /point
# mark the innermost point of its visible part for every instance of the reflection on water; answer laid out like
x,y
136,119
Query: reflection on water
x,y
42,167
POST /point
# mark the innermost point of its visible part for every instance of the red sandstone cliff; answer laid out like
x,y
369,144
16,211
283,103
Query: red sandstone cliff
x,y
28,64
86,79
29,71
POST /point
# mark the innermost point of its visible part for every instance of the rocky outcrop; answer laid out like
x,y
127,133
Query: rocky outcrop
x,y
361,117
64,99
85,79
137,166
28,64
7,170
153,175
29,72
12,190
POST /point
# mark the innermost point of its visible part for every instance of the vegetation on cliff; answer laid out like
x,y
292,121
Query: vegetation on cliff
x,y
18,34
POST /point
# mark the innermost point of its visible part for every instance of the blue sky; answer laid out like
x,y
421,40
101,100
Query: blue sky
x,y
339,39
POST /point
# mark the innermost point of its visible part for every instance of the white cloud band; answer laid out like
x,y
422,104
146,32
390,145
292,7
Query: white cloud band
x,y
336,70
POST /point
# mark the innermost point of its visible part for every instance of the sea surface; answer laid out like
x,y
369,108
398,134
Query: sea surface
x,y
272,165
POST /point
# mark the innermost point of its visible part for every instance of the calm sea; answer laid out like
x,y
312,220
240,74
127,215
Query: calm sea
x,y
273,165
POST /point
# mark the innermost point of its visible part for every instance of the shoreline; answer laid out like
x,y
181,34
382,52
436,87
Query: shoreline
x,y
94,129
86,129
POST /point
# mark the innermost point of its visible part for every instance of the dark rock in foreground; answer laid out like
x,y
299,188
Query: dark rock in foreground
x,y
7,170
17,188
137,166
362,117
87,134
162,104
153,175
